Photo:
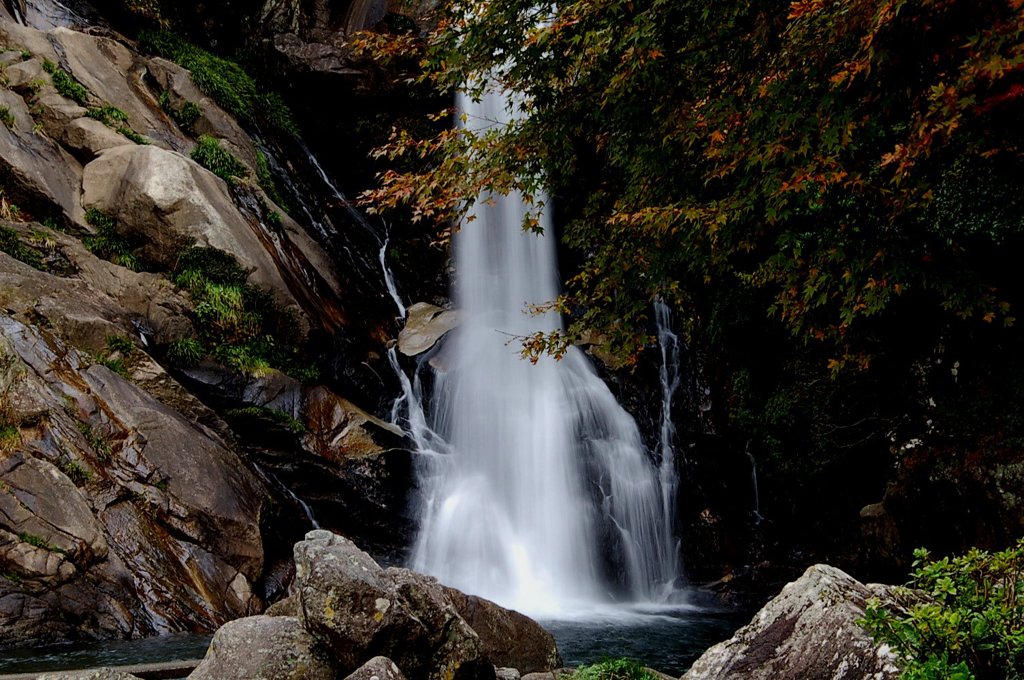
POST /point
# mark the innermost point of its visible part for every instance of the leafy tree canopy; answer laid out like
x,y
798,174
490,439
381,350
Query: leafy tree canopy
x,y
833,160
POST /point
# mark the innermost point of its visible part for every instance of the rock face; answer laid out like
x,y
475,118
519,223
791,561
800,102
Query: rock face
x,y
264,648
360,610
377,668
118,516
808,631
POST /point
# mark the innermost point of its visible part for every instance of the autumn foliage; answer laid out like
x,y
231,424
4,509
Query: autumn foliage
x,y
831,159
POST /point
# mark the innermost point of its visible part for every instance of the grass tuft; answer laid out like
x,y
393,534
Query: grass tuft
x,y
211,155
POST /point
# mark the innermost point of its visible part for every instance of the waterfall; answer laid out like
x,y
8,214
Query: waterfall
x,y
536,489
669,376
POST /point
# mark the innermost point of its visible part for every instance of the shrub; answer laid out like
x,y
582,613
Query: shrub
x,y
116,119
185,116
185,352
6,117
211,155
223,80
107,243
12,244
973,624
614,669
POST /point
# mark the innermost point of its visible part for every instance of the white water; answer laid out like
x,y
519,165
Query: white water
x,y
536,490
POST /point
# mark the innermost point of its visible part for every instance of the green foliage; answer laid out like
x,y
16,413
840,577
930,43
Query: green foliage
x,y
75,471
211,155
274,219
240,324
107,243
266,180
185,116
6,117
971,628
273,416
96,441
36,541
116,119
185,352
10,437
709,150
12,244
65,85
613,669
120,343
223,80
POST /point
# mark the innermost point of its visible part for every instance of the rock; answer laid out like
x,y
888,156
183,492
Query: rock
x,y
808,631
94,674
508,637
118,516
377,668
425,325
264,648
289,606
506,674
90,137
360,610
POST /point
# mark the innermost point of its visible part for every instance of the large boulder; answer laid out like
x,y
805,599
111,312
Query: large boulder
x,y
377,668
425,325
264,648
809,630
361,610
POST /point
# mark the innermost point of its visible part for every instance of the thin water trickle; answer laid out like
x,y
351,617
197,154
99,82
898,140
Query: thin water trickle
x,y
540,495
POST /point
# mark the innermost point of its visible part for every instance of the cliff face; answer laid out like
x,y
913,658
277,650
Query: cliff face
x,y
153,283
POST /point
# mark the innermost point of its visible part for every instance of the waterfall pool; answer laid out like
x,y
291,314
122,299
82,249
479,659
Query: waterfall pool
x,y
667,639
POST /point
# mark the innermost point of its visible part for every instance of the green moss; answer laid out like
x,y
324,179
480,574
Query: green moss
x,y
268,414
211,155
107,243
66,85
274,219
12,244
223,80
37,541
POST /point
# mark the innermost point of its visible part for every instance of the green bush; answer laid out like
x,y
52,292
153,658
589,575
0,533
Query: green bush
x,y
12,244
223,80
107,243
116,119
211,155
6,117
239,324
185,116
65,84
185,352
971,628
614,669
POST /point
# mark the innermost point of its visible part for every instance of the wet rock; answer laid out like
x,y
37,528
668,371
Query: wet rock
x,y
425,325
809,630
360,610
269,647
289,606
509,638
377,668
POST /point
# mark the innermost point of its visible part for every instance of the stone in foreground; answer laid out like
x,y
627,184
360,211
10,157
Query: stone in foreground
x,y
809,630
377,668
360,610
264,648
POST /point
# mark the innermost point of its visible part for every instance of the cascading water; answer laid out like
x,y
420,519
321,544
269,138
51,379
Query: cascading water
x,y
537,492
